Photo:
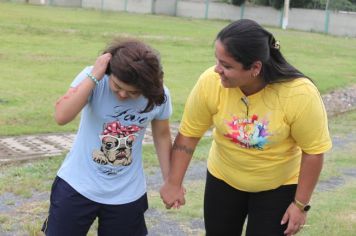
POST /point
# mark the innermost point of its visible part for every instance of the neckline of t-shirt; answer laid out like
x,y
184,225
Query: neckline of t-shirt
x,y
253,96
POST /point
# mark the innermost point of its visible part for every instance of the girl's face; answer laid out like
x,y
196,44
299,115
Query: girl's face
x,y
232,73
122,90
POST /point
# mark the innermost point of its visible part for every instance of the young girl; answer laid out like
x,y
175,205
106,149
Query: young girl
x,y
102,175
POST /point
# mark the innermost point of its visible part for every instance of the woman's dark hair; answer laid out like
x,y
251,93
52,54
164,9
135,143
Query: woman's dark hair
x,y
247,42
135,63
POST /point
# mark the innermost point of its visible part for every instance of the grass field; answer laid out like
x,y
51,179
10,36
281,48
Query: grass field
x,y
332,214
43,48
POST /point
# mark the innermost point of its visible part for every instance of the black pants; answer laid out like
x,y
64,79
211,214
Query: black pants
x,y
72,214
226,209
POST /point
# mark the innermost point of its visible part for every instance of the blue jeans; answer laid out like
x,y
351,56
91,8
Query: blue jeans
x,y
72,214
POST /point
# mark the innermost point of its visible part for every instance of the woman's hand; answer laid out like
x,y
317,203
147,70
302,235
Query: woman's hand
x,y
100,66
310,169
172,196
295,219
172,191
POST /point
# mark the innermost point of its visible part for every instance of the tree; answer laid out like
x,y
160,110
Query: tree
x,y
345,5
299,3
238,2
278,4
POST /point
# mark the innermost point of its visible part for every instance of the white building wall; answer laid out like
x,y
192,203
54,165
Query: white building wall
x,y
139,6
165,7
263,15
64,3
114,5
342,24
301,19
224,11
92,4
191,9
306,19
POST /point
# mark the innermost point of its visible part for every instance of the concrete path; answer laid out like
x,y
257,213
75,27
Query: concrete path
x,y
30,147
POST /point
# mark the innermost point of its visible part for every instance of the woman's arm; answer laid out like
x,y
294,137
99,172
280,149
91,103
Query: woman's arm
x,y
163,144
70,104
310,169
172,192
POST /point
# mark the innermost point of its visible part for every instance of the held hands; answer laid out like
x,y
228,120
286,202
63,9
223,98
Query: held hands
x,y
172,196
100,66
295,219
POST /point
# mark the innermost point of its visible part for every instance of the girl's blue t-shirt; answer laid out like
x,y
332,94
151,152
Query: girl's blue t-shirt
x,y
105,161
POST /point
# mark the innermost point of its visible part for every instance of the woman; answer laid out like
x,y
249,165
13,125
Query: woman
x,y
270,133
102,176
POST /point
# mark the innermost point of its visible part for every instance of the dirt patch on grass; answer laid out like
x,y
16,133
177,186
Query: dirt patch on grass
x,y
340,100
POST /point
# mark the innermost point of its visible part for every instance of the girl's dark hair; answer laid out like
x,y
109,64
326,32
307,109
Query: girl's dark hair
x,y
135,63
247,42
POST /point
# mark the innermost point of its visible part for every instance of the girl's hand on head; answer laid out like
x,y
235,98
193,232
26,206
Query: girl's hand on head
x,y
100,66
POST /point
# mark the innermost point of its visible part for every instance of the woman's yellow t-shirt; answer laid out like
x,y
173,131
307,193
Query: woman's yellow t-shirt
x,y
257,140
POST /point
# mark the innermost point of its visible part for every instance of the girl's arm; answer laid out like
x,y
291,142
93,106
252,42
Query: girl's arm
x,y
310,169
70,104
172,192
163,144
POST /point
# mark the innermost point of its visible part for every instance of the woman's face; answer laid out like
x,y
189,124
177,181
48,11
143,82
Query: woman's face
x,y
122,90
232,73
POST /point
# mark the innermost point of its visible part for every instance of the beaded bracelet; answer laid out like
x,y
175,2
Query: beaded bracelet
x,y
92,77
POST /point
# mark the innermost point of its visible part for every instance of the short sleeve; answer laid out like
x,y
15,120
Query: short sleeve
x,y
165,110
310,126
81,76
198,111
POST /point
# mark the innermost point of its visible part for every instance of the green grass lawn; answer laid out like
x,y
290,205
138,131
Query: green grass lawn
x,y
43,48
332,214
